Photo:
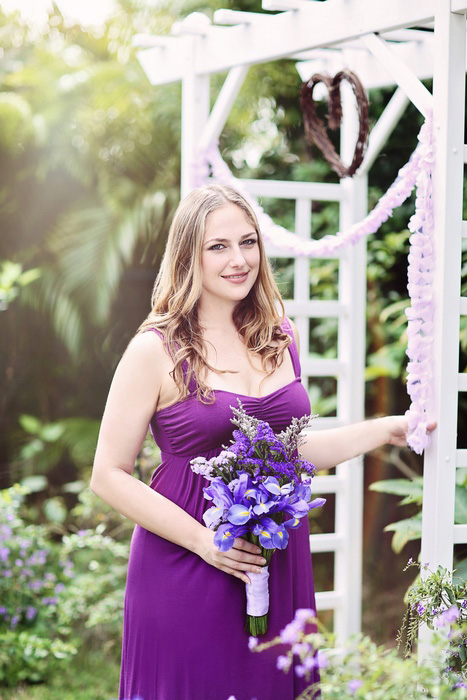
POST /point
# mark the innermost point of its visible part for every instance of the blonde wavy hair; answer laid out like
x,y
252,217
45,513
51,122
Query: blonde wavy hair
x,y
178,288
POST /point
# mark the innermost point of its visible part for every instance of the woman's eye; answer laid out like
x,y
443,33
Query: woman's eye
x,y
217,246
250,241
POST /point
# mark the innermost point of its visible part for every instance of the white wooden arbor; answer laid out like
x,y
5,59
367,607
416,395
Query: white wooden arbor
x,y
387,44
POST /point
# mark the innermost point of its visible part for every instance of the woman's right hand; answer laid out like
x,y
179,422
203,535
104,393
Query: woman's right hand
x,y
242,557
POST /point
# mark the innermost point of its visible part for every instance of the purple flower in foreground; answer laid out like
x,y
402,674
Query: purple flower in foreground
x,y
290,633
252,643
420,609
354,685
322,659
447,617
304,614
283,663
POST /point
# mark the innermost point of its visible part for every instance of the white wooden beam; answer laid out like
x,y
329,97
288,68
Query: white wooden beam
x,y
414,89
326,542
459,6
224,103
440,458
195,112
460,534
417,56
288,189
461,459
284,34
327,483
384,127
329,600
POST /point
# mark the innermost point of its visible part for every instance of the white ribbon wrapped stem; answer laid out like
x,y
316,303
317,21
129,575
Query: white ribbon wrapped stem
x,y
257,593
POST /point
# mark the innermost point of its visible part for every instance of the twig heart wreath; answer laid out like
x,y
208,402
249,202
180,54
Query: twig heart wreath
x,y
315,129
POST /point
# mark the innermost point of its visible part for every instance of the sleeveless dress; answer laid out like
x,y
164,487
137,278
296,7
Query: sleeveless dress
x,y
184,635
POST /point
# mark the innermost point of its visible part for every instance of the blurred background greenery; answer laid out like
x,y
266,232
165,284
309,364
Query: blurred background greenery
x,y
90,156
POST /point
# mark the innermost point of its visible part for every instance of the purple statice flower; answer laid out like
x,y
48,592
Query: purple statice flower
x,y
354,685
7,573
2,610
49,576
4,552
31,612
59,588
420,609
19,562
464,603
14,621
300,670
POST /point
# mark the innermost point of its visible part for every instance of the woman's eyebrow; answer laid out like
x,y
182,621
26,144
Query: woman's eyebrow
x,y
226,240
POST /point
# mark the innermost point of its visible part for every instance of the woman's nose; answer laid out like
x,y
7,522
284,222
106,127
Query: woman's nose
x,y
237,258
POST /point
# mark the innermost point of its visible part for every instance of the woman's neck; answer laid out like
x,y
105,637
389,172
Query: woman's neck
x,y
216,317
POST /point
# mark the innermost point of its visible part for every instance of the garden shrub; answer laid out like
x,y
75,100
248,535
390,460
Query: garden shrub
x,y
50,590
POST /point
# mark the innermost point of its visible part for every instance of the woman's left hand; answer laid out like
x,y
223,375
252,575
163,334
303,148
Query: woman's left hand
x,y
398,427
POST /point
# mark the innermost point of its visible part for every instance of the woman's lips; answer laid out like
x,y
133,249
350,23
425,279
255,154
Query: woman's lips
x,y
236,279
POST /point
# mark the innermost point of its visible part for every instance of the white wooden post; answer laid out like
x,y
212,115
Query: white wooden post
x,y
195,113
351,387
449,118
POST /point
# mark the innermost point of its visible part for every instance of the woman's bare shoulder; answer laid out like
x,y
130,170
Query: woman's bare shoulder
x,y
146,355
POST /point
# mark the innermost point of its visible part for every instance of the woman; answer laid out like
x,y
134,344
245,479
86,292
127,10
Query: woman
x,y
214,334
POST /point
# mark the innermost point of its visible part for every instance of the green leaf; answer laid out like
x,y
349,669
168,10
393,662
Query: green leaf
x,y
400,487
405,531
74,487
460,512
30,424
34,483
29,276
52,432
55,510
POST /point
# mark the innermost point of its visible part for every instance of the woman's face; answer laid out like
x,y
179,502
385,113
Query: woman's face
x,y
230,255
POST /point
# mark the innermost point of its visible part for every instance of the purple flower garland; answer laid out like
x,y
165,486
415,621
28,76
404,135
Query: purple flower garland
x,y
417,172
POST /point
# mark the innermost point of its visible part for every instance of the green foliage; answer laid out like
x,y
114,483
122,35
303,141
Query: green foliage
x,y
409,529
12,280
50,591
438,600
361,669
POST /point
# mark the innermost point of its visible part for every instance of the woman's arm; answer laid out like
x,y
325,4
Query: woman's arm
x,y
132,400
326,448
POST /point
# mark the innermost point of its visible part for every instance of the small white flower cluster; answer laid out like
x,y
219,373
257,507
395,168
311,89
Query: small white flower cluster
x,y
200,466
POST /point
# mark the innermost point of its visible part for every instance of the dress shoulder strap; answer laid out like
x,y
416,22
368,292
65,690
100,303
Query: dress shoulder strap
x,y
293,349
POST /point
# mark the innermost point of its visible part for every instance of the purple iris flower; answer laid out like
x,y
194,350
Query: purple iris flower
x,y
273,486
213,516
226,534
270,534
219,492
238,514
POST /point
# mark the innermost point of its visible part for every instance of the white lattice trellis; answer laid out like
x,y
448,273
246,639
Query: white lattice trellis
x,y
387,44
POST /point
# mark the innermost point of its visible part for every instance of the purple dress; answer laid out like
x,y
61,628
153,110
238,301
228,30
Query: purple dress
x,y
184,635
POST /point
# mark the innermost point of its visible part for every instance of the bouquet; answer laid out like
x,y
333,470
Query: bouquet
x,y
260,489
